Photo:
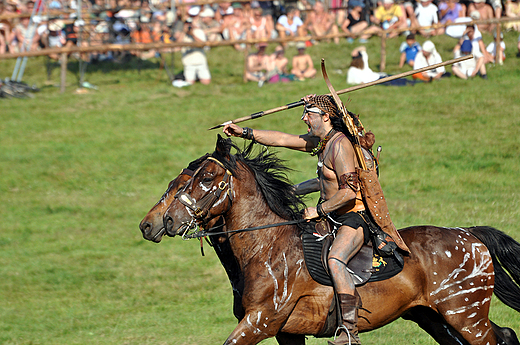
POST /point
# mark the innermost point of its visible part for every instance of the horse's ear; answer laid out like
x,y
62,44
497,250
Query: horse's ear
x,y
223,145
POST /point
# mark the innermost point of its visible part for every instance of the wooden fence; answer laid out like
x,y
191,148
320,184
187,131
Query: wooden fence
x,y
65,51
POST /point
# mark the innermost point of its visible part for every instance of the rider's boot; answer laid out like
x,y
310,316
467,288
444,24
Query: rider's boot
x,y
348,331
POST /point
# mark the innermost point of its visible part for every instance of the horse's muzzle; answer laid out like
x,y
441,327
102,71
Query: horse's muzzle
x,y
169,225
147,228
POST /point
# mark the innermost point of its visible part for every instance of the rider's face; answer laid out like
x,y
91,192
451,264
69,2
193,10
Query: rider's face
x,y
314,121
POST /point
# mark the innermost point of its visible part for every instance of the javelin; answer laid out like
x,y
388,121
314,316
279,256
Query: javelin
x,y
350,89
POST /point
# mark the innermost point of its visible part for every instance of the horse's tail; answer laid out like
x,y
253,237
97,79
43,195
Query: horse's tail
x,y
505,253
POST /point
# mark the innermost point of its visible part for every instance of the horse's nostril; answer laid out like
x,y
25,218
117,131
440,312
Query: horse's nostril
x,y
145,226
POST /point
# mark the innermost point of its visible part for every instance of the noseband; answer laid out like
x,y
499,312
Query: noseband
x,y
201,208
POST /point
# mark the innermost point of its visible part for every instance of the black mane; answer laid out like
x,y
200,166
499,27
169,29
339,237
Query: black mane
x,y
270,176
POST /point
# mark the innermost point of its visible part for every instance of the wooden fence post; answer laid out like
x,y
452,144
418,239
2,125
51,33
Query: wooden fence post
x,y
63,76
246,55
498,50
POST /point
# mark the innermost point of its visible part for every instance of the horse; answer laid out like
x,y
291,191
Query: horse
x,y
152,229
445,286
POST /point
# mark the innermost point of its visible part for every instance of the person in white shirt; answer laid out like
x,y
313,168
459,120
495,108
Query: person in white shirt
x,y
426,14
468,68
290,24
426,57
193,58
359,72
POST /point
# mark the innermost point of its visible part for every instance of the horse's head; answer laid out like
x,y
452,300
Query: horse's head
x,y
152,225
206,196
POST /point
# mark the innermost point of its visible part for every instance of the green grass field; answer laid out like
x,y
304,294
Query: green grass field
x,y
79,172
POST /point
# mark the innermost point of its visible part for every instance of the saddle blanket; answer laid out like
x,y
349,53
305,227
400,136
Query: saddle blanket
x,y
382,267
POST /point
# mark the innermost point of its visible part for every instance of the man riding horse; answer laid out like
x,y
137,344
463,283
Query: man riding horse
x,y
341,200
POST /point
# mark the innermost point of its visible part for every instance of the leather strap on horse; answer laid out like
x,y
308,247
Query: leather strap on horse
x,y
370,188
201,207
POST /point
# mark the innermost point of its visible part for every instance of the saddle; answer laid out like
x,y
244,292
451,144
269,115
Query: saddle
x,y
366,266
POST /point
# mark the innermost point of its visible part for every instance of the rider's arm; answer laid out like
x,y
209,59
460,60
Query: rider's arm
x,y
274,138
306,187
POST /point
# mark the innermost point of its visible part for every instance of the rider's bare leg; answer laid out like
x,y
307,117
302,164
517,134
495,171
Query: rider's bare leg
x,y
347,243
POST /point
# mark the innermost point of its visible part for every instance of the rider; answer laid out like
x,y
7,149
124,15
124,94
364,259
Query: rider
x,y
337,181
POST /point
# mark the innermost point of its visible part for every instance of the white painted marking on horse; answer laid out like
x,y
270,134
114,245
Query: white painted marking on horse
x,y
203,187
472,315
478,270
243,334
448,253
280,301
466,308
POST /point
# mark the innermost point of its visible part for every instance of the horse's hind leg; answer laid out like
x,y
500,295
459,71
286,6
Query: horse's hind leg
x,y
505,335
290,339
433,324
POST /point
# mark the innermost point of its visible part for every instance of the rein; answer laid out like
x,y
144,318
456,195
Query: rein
x,y
204,233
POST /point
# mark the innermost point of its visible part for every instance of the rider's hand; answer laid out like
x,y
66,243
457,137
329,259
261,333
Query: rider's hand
x,y
306,98
232,130
310,213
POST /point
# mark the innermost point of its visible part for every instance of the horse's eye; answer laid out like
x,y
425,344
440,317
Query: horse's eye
x,y
207,180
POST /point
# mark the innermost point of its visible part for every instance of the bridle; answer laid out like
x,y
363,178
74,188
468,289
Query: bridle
x,y
201,208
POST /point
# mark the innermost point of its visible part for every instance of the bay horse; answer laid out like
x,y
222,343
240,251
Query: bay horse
x,y
445,286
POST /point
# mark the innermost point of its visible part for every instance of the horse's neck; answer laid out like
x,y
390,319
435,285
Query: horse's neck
x,y
251,245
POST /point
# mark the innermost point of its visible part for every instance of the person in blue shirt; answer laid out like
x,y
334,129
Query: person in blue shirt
x,y
409,50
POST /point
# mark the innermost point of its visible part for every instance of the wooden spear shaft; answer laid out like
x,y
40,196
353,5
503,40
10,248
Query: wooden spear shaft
x,y
350,89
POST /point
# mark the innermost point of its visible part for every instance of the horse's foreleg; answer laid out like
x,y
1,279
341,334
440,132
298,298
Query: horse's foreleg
x,y
290,339
253,328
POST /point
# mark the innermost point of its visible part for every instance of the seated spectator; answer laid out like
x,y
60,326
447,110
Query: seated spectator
x,y
224,9
320,23
143,34
258,65
193,58
491,48
54,38
290,24
355,22
5,36
485,12
512,11
449,11
468,68
426,57
236,25
479,49
426,14
209,25
26,37
279,60
408,50
390,16
359,71
302,65
279,63
261,26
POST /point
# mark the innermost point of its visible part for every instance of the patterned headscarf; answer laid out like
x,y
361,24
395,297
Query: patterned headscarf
x,y
324,103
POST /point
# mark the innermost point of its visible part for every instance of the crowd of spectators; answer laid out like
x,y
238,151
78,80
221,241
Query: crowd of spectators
x,y
147,21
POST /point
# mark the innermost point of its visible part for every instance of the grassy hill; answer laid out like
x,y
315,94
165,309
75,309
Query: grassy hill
x,y
79,171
